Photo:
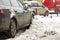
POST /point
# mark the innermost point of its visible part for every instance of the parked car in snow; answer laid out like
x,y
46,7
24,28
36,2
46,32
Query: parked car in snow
x,y
36,7
13,16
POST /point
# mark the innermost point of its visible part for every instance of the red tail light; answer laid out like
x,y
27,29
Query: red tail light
x,y
1,11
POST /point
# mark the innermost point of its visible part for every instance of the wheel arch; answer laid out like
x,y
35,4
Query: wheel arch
x,y
14,19
46,13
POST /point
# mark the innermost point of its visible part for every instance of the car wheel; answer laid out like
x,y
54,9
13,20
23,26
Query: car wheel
x,y
46,13
33,14
13,28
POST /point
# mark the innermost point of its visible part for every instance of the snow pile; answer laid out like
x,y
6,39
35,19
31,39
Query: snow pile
x,y
41,27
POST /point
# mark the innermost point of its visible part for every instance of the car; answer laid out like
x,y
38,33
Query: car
x,y
36,7
13,16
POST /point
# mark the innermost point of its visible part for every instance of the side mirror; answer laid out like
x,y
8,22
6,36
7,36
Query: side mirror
x,y
25,7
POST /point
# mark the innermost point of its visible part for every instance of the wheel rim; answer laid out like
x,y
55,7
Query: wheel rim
x,y
13,28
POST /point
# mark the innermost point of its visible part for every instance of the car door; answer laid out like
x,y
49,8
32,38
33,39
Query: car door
x,y
19,16
19,12
27,17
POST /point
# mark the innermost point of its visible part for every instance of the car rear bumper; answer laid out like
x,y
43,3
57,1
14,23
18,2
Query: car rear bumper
x,y
4,22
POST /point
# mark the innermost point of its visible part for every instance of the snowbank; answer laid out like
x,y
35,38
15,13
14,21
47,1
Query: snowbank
x,y
41,28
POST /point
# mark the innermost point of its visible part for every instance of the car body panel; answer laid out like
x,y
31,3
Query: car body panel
x,y
27,17
22,17
4,20
39,10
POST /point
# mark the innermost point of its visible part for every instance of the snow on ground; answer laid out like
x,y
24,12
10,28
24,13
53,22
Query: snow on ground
x,y
42,28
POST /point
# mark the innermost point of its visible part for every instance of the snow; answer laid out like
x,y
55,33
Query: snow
x,y
42,28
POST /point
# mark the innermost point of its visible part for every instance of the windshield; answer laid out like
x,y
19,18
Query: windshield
x,y
5,2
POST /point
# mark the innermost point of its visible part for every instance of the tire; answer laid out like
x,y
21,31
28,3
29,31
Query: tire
x,y
46,13
33,14
13,30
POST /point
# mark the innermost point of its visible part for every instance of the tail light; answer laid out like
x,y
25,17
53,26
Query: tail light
x,y
1,11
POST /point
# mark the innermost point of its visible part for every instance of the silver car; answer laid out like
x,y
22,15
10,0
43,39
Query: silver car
x,y
13,16
36,7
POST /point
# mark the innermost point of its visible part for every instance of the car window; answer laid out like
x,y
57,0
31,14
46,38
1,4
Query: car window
x,y
14,3
5,2
25,3
35,5
20,4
